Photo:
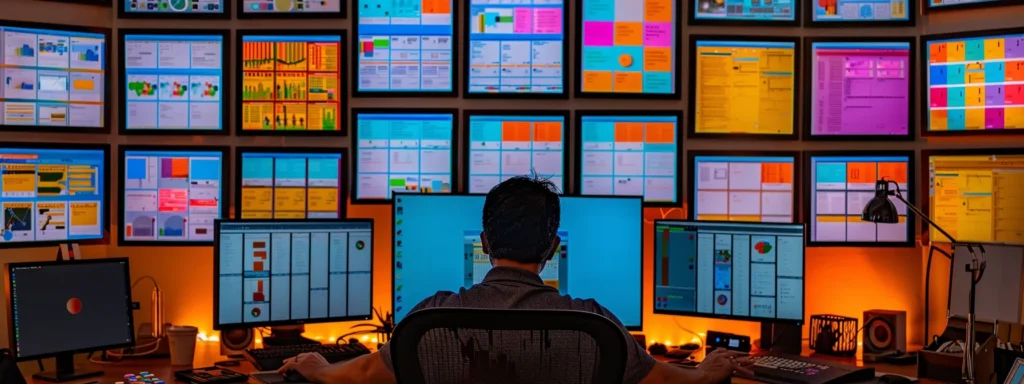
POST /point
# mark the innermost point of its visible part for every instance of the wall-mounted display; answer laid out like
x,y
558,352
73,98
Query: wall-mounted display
x,y
743,186
867,13
956,5
174,9
501,145
975,195
291,183
290,9
744,12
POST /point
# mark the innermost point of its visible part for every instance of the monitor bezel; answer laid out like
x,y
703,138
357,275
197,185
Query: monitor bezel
x,y
454,112
124,14
640,223
104,127
354,66
105,220
808,91
692,20
526,114
124,261
217,326
911,241
343,99
342,169
691,162
925,9
808,17
691,125
578,150
242,15
225,100
925,106
225,186
803,308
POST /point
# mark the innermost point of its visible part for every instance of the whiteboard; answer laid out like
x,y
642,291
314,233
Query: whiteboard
x,y
999,292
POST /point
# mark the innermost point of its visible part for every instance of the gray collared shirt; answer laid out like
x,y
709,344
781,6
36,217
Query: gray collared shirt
x,y
514,288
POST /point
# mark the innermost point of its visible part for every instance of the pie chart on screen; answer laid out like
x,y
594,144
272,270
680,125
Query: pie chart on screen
x,y
74,306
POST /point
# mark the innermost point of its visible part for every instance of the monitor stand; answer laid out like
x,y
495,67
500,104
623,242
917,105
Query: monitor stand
x,y
65,371
287,335
781,337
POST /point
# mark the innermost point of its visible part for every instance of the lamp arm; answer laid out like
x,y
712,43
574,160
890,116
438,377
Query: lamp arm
x,y
924,217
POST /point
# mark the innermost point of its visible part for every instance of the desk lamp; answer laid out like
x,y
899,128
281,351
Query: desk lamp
x,y
881,210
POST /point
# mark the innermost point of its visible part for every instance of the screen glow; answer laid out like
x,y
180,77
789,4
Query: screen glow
x,y
501,147
292,185
408,152
860,88
977,198
171,195
516,47
404,46
630,156
840,188
629,46
744,188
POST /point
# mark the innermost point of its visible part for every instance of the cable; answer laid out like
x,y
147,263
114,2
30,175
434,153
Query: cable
x,y
147,277
676,321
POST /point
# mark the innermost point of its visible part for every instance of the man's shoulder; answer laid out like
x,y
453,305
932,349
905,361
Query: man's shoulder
x,y
586,305
439,299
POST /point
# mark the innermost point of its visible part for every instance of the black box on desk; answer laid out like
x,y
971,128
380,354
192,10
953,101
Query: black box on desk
x,y
949,366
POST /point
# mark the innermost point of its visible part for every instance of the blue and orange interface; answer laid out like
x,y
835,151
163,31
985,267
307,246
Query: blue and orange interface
x,y
628,46
751,10
407,152
174,6
976,83
501,147
516,47
404,46
729,269
172,195
630,156
51,194
744,188
291,185
840,188
861,10
599,256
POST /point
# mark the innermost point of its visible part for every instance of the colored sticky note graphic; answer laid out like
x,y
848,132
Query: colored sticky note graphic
x,y
657,34
597,81
598,33
547,20
658,59
893,171
290,199
85,214
994,49
629,82
323,200
629,33
658,11
257,199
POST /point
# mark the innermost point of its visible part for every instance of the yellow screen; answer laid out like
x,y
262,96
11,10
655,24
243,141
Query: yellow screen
x,y
978,198
745,87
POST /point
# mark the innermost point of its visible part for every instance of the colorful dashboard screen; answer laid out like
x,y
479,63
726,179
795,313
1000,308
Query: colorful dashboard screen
x,y
947,4
292,185
52,78
630,156
840,188
406,152
171,196
744,188
291,83
173,7
516,46
861,10
744,10
405,46
501,147
976,83
629,47
744,87
977,198
290,6
51,195
860,88
173,82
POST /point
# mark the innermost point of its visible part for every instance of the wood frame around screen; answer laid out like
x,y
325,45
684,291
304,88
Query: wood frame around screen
x,y
343,169
691,15
578,149
354,149
225,4
808,17
104,127
691,125
526,115
691,163
911,197
340,14
121,174
808,91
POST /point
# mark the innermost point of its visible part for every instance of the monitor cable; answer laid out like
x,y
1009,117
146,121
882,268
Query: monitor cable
x,y
687,330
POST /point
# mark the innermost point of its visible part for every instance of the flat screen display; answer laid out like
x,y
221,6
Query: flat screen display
x,y
629,47
838,11
975,83
52,78
173,82
404,46
948,4
292,83
290,6
407,152
292,185
173,7
517,47
171,195
630,156
744,10
840,188
49,195
977,198
744,188
744,87
502,147
860,88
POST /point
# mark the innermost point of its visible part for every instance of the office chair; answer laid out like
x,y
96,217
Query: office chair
x,y
483,346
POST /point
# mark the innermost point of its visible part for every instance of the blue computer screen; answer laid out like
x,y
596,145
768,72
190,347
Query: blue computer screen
x,y
173,82
173,7
840,188
292,6
744,188
437,248
630,156
405,46
501,147
860,10
52,194
171,195
748,10
292,185
403,152
516,46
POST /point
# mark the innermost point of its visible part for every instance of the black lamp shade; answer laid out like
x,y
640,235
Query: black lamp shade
x,y
880,210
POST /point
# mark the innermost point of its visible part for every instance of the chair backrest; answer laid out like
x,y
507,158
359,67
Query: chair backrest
x,y
484,346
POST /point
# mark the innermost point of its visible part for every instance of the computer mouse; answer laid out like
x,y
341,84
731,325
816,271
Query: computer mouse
x,y
294,377
678,353
894,379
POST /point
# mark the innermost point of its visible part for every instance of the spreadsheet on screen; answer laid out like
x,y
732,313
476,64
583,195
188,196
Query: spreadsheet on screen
x,y
403,152
840,188
860,10
744,188
977,197
860,88
628,46
752,10
291,185
174,6
501,147
516,47
172,195
404,46
630,156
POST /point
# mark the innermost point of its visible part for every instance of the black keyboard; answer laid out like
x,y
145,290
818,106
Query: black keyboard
x,y
778,368
272,358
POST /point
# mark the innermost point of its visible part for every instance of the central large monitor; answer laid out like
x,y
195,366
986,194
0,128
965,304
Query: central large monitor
x,y
437,248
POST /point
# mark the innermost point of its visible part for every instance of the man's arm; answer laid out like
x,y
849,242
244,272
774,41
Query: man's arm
x,y
363,369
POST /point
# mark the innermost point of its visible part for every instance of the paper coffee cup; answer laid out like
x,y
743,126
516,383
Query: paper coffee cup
x,y
183,344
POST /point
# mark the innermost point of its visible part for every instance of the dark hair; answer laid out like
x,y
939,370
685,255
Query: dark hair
x,y
521,218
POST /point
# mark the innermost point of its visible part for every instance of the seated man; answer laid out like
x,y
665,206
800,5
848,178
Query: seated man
x,y
520,221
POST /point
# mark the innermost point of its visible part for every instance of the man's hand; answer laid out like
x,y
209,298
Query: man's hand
x,y
308,365
720,364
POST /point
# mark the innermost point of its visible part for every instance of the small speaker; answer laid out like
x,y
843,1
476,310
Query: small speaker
x,y
234,341
884,331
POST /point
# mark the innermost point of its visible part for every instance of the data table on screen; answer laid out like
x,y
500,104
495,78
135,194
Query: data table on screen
x,y
516,47
744,188
290,7
709,11
630,156
628,47
404,46
171,195
292,185
501,147
49,195
53,78
977,198
975,83
841,186
173,82
403,152
172,8
861,11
